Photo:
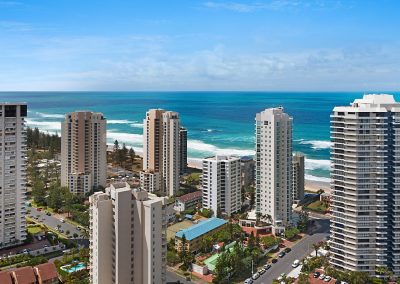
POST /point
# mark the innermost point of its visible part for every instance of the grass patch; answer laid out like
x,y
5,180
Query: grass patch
x,y
34,229
317,206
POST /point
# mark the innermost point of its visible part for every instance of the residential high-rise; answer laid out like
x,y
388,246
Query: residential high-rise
x,y
274,166
83,151
221,184
298,177
12,173
183,150
161,150
247,168
365,182
127,236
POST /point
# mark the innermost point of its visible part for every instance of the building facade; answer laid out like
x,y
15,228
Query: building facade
x,y
13,157
183,150
127,236
247,169
365,182
274,165
221,184
162,149
188,201
298,177
83,151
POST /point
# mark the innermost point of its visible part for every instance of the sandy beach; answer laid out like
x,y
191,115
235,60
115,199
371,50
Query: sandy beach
x,y
310,185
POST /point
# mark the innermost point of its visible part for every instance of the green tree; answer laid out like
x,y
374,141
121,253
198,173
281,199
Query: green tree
x,y
291,232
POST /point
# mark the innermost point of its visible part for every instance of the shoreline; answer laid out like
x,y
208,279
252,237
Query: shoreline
x,y
309,185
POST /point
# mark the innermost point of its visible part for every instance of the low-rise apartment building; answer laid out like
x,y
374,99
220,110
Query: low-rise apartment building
x,y
194,234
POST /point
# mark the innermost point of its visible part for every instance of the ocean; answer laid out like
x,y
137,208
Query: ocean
x,y
217,122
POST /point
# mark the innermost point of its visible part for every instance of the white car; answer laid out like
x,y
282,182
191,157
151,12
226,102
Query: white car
x,y
62,220
322,276
296,263
327,278
248,281
255,276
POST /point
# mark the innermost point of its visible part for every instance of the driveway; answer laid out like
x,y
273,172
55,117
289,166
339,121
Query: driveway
x,y
52,222
320,231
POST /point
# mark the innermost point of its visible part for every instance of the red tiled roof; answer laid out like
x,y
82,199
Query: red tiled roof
x,y
190,196
24,275
5,277
46,271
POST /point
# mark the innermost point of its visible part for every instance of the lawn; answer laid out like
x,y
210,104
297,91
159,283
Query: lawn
x,y
173,229
317,206
34,229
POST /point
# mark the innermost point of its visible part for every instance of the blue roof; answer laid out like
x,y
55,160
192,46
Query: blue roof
x,y
201,228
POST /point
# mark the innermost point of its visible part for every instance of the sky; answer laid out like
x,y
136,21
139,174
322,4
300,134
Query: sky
x,y
262,45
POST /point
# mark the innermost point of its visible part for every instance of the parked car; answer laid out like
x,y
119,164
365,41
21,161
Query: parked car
x,y
281,254
261,271
248,281
327,278
275,260
287,250
316,274
280,278
62,220
296,263
255,276
267,266
322,276
48,213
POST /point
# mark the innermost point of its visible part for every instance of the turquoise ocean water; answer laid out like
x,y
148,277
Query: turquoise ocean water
x,y
217,122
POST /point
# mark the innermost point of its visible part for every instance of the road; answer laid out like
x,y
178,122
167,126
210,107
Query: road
x,y
52,222
173,277
303,248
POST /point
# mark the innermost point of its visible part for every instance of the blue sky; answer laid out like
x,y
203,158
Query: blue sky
x,y
283,45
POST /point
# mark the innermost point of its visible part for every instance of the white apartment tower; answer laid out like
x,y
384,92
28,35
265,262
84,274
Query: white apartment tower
x,y
298,177
221,184
12,173
127,236
365,182
83,151
274,165
161,151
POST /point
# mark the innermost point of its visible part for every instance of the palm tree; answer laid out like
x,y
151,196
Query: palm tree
x,y
316,246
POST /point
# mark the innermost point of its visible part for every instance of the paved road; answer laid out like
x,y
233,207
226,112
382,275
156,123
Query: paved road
x,y
299,251
173,277
52,222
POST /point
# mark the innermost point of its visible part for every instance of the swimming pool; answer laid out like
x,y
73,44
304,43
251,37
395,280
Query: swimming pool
x,y
75,268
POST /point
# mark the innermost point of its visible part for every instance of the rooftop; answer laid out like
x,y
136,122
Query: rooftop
x,y
190,196
46,271
201,228
5,277
24,275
